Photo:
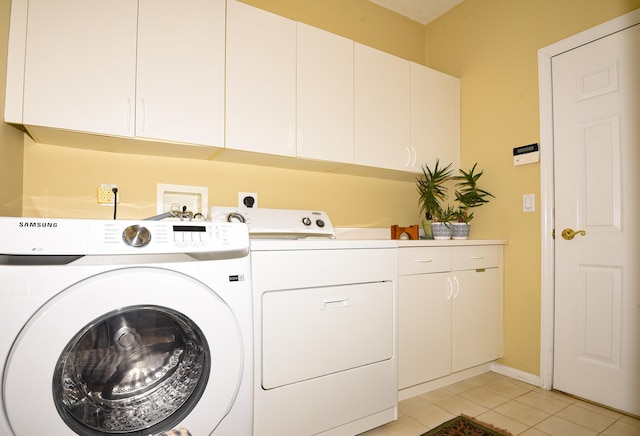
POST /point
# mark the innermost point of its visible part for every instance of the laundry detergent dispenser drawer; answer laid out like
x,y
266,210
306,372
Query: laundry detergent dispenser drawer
x,y
314,332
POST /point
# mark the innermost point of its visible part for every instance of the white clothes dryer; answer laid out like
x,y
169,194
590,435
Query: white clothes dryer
x,y
125,327
325,325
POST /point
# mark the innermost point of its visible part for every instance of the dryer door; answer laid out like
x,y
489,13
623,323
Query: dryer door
x,y
131,351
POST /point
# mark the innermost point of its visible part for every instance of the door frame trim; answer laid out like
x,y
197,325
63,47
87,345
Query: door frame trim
x,y
547,186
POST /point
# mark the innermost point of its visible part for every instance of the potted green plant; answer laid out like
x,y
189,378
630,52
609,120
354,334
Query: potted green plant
x,y
432,194
442,228
468,196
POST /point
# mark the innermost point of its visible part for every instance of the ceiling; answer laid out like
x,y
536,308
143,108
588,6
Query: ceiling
x,y
422,11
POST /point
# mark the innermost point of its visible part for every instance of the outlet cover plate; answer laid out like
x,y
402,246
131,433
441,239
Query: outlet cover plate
x,y
106,194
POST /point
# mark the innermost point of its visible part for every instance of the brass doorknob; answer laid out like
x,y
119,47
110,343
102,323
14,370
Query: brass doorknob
x,y
569,234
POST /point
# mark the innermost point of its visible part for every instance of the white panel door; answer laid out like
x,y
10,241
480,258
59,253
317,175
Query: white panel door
x,y
435,118
382,101
180,78
325,95
596,101
424,328
80,71
261,81
476,320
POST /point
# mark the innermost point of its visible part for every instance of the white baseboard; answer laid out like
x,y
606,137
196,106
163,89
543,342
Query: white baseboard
x,y
432,385
515,374
468,373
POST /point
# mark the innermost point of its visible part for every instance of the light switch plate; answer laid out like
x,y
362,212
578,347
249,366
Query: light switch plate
x,y
529,203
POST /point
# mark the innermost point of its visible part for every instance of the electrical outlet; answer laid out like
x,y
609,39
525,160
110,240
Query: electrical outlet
x,y
106,194
247,199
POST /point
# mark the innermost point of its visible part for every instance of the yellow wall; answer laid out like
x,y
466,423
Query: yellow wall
x,y
10,138
492,46
359,20
62,182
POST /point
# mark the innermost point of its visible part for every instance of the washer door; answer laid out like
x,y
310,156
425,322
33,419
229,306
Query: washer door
x,y
131,351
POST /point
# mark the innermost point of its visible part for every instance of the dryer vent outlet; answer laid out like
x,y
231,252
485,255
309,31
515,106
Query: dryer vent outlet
x,y
247,199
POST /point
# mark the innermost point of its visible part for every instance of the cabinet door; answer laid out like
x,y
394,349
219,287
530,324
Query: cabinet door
x,y
325,95
180,73
382,100
476,318
424,332
80,65
261,81
435,117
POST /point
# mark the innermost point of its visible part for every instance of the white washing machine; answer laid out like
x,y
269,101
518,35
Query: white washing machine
x,y
123,327
325,325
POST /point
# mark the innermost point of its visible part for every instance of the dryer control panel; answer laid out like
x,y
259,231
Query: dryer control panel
x,y
278,223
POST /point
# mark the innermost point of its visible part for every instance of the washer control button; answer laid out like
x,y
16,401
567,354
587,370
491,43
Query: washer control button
x,y
136,236
306,221
320,223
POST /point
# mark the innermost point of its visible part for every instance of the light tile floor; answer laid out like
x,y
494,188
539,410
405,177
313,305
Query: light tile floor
x,y
521,408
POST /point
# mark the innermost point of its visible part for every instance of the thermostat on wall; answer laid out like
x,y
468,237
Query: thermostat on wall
x,y
526,154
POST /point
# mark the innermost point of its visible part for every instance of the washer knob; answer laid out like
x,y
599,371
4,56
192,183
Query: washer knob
x,y
306,221
320,223
136,236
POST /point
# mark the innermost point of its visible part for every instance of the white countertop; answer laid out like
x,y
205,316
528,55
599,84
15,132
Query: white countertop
x,y
448,242
354,238
351,233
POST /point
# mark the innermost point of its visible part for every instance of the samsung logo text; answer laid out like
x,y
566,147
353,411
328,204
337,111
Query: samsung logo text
x,y
28,224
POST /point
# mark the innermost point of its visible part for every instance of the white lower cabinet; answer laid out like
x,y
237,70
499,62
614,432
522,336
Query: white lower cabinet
x,y
450,310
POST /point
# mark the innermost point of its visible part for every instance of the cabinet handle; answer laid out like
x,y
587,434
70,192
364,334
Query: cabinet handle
x,y
415,157
300,144
450,288
455,294
143,115
128,114
292,140
408,156
476,257
423,260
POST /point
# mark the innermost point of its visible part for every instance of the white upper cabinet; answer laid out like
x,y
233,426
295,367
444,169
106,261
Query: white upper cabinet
x,y
382,117
435,117
225,74
261,81
153,68
79,73
324,95
180,71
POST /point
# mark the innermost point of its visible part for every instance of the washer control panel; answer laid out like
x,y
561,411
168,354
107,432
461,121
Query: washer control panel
x,y
40,236
171,236
277,223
